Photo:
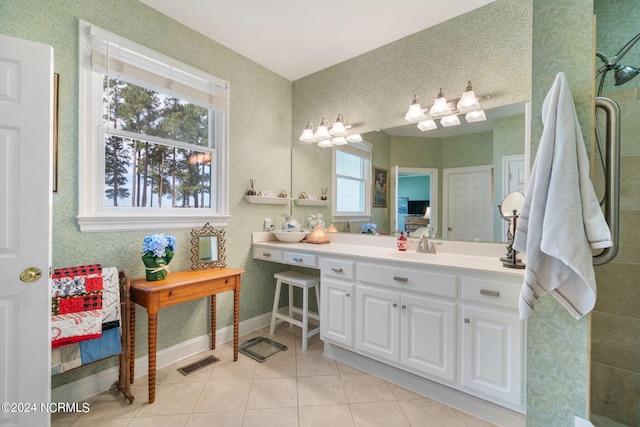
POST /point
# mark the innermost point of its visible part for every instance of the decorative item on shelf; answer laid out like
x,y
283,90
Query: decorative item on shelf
x,y
447,111
369,228
324,194
157,252
325,137
318,236
283,194
264,193
251,191
312,197
303,196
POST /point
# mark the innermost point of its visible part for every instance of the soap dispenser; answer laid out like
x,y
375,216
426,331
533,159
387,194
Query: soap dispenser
x,y
402,242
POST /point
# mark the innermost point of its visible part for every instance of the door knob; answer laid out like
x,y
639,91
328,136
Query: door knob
x,y
30,274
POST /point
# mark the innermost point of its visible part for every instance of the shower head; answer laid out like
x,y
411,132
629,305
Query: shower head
x,y
624,73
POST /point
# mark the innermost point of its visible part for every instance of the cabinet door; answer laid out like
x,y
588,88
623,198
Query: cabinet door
x,y
428,336
492,354
378,323
336,312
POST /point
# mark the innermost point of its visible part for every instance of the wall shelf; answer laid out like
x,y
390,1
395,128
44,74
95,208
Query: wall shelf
x,y
308,202
267,200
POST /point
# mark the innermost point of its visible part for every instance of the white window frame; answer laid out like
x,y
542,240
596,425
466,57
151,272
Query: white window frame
x,y
362,149
92,216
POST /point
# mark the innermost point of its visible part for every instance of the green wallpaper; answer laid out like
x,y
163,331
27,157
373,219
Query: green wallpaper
x,y
557,353
260,129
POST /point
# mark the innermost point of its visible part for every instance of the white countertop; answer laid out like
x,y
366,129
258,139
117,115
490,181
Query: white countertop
x,y
462,255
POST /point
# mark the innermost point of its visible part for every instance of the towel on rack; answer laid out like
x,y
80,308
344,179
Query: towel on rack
x,y
76,304
561,220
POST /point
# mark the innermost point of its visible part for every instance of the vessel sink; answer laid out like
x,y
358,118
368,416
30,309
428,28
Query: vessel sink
x,y
290,236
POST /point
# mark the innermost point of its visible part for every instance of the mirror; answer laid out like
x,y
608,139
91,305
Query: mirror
x,y
498,144
208,248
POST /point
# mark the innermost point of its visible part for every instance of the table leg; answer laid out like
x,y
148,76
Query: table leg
x,y
213,322
132,340
236,322
153,330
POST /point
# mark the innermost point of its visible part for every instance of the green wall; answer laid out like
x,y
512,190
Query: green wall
x,y
260,129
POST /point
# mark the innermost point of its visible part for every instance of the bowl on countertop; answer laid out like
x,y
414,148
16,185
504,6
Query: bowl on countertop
x,y
290,236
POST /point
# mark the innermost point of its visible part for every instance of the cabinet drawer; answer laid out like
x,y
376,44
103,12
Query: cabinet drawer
x,y
267,254
416,280
337,268
306,260
504,294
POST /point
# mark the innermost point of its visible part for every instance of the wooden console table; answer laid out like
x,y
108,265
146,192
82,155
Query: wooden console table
x,y
177,288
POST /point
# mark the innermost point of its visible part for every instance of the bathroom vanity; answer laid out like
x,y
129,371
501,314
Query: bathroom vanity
x,y
445,325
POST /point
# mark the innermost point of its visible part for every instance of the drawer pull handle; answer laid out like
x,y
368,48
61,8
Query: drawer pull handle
x,y
400,279
404,306
266,254
489,293
171,293
466,320
336,270
395,304
348,295
297,259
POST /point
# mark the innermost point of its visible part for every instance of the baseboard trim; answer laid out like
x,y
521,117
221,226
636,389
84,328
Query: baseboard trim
x,y
102,381
472,405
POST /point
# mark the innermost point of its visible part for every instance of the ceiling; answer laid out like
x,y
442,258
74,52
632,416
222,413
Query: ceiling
x,y
294,38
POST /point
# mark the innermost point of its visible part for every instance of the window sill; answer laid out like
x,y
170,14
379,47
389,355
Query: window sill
x,y
92,224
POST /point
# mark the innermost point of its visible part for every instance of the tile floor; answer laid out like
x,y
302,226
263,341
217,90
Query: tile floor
x,y
289,389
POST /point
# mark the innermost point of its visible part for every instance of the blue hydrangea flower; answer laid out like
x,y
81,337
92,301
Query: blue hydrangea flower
x,y
156,244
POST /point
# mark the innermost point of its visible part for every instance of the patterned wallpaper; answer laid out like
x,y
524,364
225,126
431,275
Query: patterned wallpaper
x,y
262,143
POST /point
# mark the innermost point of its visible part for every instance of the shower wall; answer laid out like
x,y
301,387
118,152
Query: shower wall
x,y
615,322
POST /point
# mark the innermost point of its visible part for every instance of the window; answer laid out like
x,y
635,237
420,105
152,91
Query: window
x,y
352,183
153,138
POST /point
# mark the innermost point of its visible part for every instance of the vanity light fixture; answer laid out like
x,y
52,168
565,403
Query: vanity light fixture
x,y
323,131
440,106
447,111
325,137
475,116
468,102
415,111
450,120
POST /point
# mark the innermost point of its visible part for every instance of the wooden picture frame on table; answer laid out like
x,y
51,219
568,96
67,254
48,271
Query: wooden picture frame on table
x,y
54,159
380,187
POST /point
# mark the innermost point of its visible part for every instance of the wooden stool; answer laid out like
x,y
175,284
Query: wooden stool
x,y
305,282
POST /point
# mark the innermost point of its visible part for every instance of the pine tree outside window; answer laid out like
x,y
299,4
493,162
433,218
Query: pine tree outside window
x,y
153,138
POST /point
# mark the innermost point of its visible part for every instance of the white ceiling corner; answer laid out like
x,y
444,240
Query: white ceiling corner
x,y
294,38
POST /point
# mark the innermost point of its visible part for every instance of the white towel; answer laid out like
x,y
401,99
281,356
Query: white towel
x,y
561,220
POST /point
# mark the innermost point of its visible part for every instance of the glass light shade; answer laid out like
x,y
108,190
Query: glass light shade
x,y
427,125
440,107
451,120
475,116
415,113
338,128
322,132
339,140
468,102
356,137
307,136
325,143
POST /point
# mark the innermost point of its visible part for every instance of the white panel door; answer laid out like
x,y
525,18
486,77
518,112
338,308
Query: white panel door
x,y
491,353
378,323
468,204
26,98
429,336
336,312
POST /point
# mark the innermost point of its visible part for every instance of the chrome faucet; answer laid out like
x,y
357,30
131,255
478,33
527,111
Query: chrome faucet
x,y
425,246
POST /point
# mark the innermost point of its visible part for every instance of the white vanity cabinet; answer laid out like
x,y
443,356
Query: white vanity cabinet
x,y
337,296
491,339
408,317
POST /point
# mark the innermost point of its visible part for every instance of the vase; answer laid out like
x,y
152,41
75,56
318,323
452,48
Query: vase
x,y
156,268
